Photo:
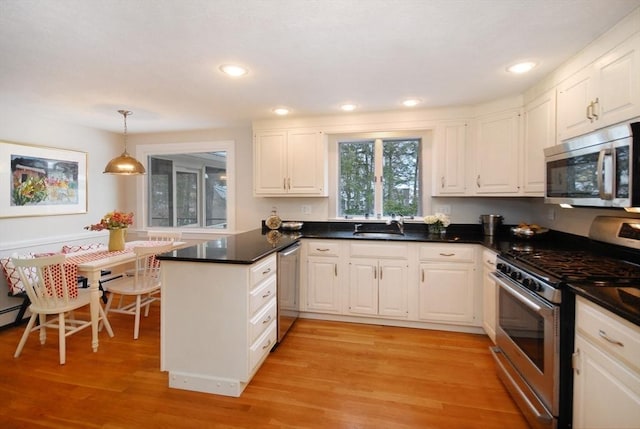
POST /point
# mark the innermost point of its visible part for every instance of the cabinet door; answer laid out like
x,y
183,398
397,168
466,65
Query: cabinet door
x,y
606,394
574,98
446,293
450,152
618,84
305,163
363,286
497,151
323,288
539,133
270,163
489,300
392,288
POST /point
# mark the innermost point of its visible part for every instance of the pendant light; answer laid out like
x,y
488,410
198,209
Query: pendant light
x,y
124,164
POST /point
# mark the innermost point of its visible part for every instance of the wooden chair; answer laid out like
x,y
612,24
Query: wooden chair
x,y
142,285
51,293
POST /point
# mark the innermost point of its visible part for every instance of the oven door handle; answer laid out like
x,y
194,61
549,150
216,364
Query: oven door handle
x,y
542,311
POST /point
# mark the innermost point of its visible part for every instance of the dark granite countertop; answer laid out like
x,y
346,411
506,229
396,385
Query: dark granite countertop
x,y
251,246
244,248
623,301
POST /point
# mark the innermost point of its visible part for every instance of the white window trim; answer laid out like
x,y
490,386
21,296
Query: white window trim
x,y
142,153
427,166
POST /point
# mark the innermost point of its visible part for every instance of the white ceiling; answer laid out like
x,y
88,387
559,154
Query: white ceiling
x,y
81,60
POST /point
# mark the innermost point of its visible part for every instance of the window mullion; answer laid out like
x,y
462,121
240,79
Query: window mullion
x,y
378,158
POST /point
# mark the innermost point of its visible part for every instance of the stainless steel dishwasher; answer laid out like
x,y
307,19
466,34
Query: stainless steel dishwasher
x,y
288,288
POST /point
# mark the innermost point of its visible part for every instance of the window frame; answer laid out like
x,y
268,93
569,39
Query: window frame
x,y
142,153
426,137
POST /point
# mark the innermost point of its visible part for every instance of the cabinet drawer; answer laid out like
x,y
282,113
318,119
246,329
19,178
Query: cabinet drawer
x,y
374,250
262,294
612,334
446,252
489,259
263,269
323,248
260,322
262,346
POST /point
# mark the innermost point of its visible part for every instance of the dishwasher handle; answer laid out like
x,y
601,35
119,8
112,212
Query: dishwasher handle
x,y
290,250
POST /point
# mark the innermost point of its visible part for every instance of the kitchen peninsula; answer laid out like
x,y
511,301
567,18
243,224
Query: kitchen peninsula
x,y
219,311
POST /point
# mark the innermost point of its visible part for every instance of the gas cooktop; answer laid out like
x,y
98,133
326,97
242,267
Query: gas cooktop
x,y
579,266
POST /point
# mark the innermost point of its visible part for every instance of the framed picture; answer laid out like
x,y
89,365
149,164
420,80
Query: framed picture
x,y
39,181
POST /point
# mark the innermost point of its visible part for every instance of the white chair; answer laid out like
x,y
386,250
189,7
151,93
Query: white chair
x,y
50,293
164,235
142,285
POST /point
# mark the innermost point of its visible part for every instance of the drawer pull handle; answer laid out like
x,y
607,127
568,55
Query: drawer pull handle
x,y
266,346
267,271
447,254
267,320
322,250
611,340
490,262
267,294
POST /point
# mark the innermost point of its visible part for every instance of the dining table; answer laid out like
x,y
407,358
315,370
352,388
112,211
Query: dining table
x,y
91,264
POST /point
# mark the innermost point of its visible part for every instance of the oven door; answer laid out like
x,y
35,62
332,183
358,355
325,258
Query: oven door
x,y
527,335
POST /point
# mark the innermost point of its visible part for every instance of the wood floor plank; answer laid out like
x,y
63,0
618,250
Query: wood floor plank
x,y
324,375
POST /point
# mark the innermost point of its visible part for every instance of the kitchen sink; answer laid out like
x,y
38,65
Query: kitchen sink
x,y
367,234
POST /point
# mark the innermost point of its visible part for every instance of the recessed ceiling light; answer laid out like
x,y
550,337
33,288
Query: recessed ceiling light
x,y
521,67
233,70
281,111
411,102
348,107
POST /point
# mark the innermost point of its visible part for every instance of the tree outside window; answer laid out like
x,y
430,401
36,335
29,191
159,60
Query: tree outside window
x,y
379,177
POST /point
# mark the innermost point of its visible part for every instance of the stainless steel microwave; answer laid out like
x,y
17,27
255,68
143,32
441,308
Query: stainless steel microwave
x,y
598,169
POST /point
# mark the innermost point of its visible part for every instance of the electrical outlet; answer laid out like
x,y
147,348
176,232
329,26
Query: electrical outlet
x,y
444,209
551,213
305,209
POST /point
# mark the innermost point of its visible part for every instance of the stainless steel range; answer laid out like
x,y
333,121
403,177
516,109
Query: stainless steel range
x,y
535,323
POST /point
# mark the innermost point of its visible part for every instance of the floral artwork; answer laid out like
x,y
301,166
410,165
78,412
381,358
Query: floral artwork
x,y
42,181
112,220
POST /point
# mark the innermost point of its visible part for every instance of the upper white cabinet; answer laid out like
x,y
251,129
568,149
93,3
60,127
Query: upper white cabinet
x,y
539,123
604,93
496,154
450,152
290,163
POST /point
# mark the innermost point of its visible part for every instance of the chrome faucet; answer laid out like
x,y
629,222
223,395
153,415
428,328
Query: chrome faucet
x,y
357,227
399,222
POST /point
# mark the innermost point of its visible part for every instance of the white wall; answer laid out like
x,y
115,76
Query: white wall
x,y
104,191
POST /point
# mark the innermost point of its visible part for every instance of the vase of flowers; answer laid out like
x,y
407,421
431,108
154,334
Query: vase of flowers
x,y
117,223
437,224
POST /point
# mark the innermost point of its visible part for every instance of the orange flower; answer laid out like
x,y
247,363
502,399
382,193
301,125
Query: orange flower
x,y
112,220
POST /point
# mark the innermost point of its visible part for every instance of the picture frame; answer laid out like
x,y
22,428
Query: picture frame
x,y
41,181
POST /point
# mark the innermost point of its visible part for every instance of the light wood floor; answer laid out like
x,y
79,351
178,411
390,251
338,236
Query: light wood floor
x,y
324,375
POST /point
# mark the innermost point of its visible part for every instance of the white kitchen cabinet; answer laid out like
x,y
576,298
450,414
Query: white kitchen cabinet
x,y
378,287
321,276
450,147
447,284
606,387
378,282
489,291
218,323
497,151
604,93
290,163
539,123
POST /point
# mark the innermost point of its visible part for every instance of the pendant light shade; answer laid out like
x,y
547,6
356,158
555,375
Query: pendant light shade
x,y
124,164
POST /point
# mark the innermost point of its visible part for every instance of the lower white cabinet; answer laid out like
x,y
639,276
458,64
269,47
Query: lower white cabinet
x,y
489,290
606,363
411,284
378,287
447,284
218,323
321,274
